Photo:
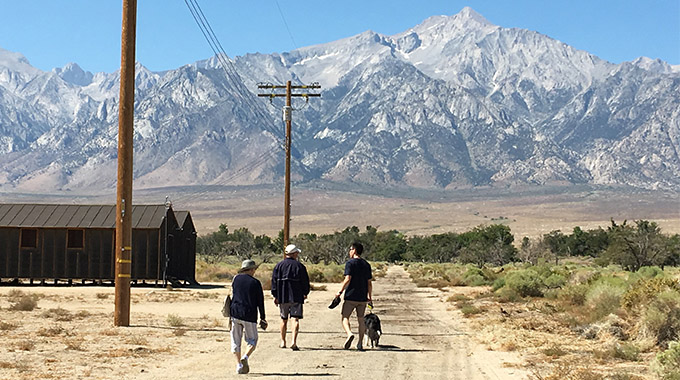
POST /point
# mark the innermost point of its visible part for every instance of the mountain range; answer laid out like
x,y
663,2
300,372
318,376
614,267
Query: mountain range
x,y
455,102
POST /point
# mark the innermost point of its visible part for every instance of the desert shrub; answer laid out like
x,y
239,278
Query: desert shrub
x,y
574,294
555,281
603,299
644,291
662,317
475,280
554,351
6,326
458,298
650,272
626,351
58,314
469,309
24,303
585,276
175,320
334,273
315,275
506,294
499,283
667,363
525,283
543,270
551,294
25,345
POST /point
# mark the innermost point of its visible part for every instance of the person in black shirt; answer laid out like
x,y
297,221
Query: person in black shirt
x,y
359,292
290,287
247,299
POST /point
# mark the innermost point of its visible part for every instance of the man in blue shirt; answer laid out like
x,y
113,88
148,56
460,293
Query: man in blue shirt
x,y
359,293
290,287
247,299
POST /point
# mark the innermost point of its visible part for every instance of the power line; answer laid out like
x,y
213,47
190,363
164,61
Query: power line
x,y
286,24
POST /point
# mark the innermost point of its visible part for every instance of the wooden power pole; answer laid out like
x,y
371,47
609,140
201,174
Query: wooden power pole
x,y
287,117
126,106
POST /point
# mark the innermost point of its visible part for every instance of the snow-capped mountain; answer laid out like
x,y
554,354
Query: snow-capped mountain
x,y
453,102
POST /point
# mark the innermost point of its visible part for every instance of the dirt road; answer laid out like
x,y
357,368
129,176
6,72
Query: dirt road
x,y
422,339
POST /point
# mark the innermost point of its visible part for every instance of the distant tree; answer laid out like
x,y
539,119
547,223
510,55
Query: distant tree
x,y
488,244
532,251
387,246
635,247
439,248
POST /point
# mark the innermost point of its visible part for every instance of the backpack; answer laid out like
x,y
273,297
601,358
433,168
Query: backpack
x,y
226,308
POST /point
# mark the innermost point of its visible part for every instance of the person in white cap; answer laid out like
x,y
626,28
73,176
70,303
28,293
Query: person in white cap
x,y
248,299
290,287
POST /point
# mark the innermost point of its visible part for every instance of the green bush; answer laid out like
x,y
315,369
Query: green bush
x,y
555,281
667,363
525,283
316,275
475,280
662,317
651,272
574,294
644,291
604,299
499,283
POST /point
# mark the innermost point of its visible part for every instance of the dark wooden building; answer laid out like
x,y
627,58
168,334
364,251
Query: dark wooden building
x,y
67,242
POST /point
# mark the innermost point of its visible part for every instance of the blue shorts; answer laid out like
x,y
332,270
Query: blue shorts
x,y
292,309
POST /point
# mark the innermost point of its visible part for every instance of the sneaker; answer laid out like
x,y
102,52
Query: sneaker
x,y
246,367
348,342
295,347
360,347
239,369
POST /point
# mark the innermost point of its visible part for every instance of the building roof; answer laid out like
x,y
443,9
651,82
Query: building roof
x,y
76,216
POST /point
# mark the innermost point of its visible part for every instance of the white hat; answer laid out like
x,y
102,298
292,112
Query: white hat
x,y
247,265
291,248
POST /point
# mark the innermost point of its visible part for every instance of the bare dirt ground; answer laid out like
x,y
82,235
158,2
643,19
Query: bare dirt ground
x,y
181,334
528,213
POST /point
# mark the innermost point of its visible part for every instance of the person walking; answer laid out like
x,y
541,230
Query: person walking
x,y
290,287
358,294
247,300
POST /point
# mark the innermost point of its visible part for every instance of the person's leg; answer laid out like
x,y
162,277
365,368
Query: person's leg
x,y
251,337
347,309
236,336
284,328
296,330
361,309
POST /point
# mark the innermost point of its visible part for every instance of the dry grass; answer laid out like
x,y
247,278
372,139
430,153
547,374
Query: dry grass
x,y
7,326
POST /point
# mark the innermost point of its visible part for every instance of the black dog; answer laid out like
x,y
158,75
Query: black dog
x,y
373,329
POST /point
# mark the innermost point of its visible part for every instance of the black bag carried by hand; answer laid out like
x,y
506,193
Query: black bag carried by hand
x,y
334,303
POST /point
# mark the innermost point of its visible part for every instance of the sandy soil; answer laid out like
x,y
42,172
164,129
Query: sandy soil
x,y
71,335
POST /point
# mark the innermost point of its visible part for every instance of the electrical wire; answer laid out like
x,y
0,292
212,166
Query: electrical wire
x,y
285,23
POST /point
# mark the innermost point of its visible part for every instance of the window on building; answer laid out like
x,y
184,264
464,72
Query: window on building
x,y
29,238
75,239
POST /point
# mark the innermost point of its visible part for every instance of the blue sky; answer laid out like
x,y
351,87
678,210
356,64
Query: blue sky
x,y
52,33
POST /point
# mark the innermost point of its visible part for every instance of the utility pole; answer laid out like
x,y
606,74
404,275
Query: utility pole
x,y
287,117
123,247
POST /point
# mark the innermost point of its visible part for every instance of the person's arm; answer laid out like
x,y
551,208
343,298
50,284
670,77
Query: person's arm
x,y
344,284
304,278
275,275
260,303
370,290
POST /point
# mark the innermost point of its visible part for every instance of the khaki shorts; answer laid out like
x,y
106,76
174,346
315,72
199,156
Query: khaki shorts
x,y
349,306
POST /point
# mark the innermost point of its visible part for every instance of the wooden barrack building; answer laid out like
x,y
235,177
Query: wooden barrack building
x,y
68,242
